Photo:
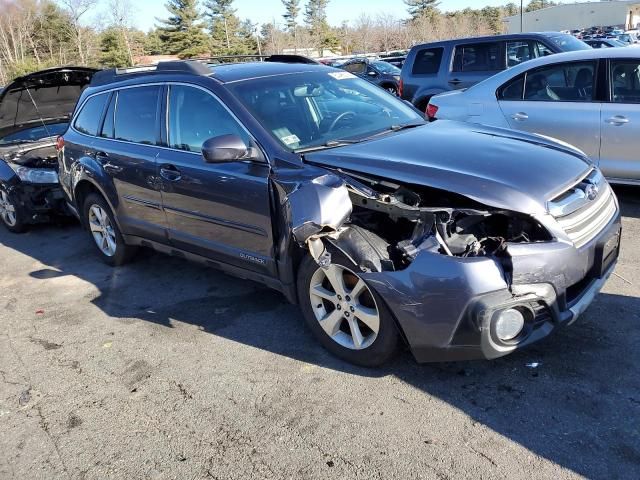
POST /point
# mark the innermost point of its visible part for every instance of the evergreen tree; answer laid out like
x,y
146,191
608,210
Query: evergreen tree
x,y
421,8
182,32
292,11
224,26
315,16
113,50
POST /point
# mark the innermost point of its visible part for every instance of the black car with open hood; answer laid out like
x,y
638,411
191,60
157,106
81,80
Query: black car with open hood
x,y
34,110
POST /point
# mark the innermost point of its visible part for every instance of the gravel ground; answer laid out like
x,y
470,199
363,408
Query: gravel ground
x,y
164,369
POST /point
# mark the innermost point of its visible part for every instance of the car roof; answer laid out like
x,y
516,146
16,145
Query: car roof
x,y
237,72
593,54
486,38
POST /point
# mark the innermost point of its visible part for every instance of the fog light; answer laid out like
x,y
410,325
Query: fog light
x,y
509,324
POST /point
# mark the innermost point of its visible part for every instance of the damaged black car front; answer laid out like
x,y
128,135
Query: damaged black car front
x,y
34,111
464,241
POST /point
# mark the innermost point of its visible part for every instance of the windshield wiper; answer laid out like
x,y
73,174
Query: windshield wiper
x,y
329,144
394,128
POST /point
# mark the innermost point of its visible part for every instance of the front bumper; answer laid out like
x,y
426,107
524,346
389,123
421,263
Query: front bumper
x,y
446,306
37,202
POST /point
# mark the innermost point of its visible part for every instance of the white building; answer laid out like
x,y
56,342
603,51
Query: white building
x,y
576,16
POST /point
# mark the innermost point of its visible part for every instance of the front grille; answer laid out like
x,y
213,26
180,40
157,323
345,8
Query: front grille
x,y
583,218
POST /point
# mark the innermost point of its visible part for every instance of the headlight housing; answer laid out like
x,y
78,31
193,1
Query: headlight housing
x,y
35,175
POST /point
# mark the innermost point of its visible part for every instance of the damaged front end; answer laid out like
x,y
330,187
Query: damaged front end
x,y
450,269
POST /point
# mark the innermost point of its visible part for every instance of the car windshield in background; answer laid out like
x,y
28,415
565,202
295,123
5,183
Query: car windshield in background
x,y
386,67
310,110
568,43
35,133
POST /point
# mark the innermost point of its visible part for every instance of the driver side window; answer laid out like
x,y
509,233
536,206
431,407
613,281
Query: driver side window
x,y
196,116
357,68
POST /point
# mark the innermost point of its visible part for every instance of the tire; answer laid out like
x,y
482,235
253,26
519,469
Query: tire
x,y
104,232
11,215
332,316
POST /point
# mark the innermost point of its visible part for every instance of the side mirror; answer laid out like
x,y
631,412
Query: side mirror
x,y
371,73
225,148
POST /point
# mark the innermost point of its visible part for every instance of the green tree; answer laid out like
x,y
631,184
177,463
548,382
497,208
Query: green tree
x,y
292,11
113,50
534,5
152,44
182,33
511,9
224,26
422,8
315,16
492,16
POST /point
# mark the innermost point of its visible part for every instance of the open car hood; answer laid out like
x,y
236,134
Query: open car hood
x,y
54,92
496,167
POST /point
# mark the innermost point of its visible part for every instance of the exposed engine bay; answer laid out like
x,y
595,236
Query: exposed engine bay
x,y
390,224
43,155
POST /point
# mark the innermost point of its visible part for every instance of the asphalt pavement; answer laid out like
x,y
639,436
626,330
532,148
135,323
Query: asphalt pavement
x,y
164,369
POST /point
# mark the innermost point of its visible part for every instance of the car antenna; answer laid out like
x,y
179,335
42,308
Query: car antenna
x,y
38,112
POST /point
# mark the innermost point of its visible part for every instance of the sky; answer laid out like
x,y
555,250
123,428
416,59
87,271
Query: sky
x,y
266,11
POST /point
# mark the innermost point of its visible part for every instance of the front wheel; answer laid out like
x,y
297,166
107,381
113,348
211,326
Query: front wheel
x,y
104,231
10,212
345,315
392,89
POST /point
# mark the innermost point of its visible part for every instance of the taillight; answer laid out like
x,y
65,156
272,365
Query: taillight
x,y
400,87
431,112
60,143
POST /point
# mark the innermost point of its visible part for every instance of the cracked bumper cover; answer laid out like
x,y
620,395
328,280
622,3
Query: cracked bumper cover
x,y
445,305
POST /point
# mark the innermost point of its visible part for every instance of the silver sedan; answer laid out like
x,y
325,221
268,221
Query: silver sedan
x,y
589,99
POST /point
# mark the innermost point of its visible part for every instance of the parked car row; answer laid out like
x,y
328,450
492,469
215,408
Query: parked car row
x,y
382,227
589,99
434,68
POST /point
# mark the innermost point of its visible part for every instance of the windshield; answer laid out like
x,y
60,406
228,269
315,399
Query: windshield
x,y
34,133
386,67
308,110
568,43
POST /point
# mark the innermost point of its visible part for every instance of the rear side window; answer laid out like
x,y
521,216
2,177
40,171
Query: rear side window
x,y
88,120
195,116
480,57
564,82
136,115
512,90
427,61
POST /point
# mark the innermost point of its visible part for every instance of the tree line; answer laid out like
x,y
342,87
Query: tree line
x,y
37,34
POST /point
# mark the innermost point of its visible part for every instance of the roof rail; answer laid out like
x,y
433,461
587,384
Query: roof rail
x,y
177,66
279,58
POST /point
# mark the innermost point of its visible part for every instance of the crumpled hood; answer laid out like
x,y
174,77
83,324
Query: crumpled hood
x,y
54,92
497,167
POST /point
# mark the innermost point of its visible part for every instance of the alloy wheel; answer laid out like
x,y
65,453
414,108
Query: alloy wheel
x,y
344,306
7,210
102,230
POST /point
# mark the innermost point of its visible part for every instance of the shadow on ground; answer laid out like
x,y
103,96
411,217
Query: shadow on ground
x,y
579,408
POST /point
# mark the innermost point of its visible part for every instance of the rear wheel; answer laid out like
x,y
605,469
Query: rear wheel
x,y
345,315
104,231
10,212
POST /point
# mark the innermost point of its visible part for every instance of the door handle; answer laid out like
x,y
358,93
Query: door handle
x,y
617,120
455,81
103,159
520,116
170,173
